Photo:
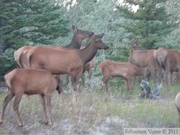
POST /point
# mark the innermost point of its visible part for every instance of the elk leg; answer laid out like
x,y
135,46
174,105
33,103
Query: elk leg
x,y
129,87
9,96
179,114
83,80
48,103
15,107
67,79
44,108
105,81
73,83
90,75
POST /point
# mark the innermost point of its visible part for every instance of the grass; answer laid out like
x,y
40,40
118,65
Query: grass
x,y
93,113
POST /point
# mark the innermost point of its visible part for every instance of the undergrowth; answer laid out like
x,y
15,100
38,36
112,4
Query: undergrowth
x,y
93,113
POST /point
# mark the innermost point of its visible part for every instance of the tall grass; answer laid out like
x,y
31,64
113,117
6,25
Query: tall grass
x,y
93,113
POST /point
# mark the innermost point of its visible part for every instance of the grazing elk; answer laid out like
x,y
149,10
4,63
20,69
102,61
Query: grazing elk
x,y
142,58
65,61
125,70
78,37
177,102
30,81
168,60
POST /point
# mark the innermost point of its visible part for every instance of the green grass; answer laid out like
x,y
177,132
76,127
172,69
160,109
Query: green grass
x,y
93,113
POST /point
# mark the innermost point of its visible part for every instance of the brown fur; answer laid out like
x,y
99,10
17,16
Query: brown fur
x,y
65,61
19,52
121,69
168,60
160,57
88,67
143,58
30,81
79,35
177,102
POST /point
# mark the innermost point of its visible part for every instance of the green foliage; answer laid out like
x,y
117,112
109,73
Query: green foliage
x,y
100,17
29,22
150,22
37,22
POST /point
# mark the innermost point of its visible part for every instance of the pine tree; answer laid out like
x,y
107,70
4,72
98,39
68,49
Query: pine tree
x,y
28,22
150,23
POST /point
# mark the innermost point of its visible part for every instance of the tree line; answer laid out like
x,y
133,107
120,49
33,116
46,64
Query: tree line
x,y
48,22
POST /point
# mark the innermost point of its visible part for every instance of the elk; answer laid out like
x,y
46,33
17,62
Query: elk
x,y
79,35
125,70
160,57
177,102
65,61
18,53
142,58
87,67
30,82
168,60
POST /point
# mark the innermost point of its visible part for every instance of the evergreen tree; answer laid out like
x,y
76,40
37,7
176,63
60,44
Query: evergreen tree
x,y
150,22
28,22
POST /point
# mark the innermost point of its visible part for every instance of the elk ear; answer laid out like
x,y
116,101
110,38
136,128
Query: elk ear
x,y
135,44
74,27
101,35
98,37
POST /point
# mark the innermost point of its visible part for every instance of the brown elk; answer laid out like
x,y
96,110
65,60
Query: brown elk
x,y
168,60
160,57
65,61
177,102
18,53
78,37
125,70
30,81
142,58
87,67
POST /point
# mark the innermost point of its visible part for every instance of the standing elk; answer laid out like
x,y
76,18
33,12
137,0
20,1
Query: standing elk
x,y
125,70
87,67
168,60
177,102
19,52
142,58
79,35
30,81
65,61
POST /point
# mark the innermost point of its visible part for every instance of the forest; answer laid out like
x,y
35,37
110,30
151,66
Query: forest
x,y
152,23
120,24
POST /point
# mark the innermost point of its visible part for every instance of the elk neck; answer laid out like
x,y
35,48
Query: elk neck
x,y
75,43
88,53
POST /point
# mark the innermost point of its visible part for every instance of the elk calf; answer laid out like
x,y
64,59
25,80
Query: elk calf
x,y
177,102
121,69
30,81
